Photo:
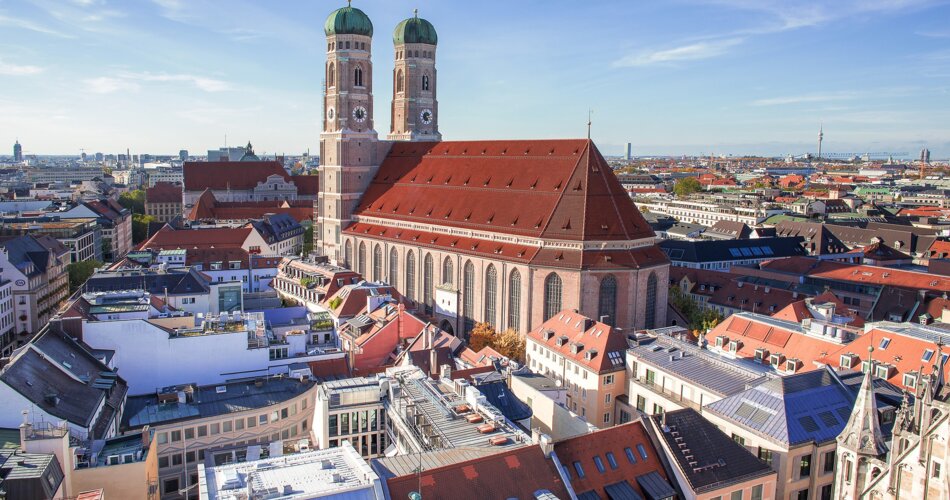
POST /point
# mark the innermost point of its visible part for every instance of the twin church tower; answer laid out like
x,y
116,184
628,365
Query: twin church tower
x,y
350,149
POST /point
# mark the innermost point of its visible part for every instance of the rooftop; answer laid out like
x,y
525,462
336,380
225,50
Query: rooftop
x,y
188,402
714,373
709,459
337,472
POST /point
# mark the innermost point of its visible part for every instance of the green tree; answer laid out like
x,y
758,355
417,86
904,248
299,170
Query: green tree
x,y
79,272
687,186
140,224
700,318
134,201
308,240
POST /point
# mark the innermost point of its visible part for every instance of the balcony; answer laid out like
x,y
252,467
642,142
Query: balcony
x,y
666,393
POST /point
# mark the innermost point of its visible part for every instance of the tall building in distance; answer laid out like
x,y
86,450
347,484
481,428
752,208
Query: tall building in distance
x,y
629,151
183,154
821,137
17,152
925,155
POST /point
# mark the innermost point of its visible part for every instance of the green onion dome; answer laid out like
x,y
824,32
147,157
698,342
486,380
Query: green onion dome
x,y
348,21
415,30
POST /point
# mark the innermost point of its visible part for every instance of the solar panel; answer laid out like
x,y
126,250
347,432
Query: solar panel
x,y
808,423
745,252
735,252
757,251
767,251
828,419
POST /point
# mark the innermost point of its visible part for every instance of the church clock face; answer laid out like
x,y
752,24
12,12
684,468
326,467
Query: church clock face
x,y
359,114
426,116
331,113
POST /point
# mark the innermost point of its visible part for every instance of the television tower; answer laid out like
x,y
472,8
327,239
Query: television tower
x,y
821,136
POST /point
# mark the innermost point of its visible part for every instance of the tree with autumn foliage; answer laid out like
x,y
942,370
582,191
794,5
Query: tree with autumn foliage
x,y
480,336
508,343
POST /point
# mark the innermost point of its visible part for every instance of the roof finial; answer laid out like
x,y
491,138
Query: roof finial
x,y
415,13
349,3
589,113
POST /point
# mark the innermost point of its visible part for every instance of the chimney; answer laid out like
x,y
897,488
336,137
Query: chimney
x,y
547,445
26,429
446,372
433,362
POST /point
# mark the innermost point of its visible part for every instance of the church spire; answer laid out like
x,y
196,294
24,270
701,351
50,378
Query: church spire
x,y
863,431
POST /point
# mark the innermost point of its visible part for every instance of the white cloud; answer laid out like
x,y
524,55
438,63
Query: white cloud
x,y
806,98
690,52
200,82
108,85
14,22
10,69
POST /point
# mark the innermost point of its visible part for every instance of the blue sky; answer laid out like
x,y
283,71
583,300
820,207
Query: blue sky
x,y
672,77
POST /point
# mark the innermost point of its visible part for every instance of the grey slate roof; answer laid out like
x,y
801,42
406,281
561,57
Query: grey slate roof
x,y
176,281
713,459
29,476
807,407
501,397
731,250
46,372
208,402
714,373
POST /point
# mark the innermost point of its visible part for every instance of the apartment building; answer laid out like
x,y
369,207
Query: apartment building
x,y
665,374
8,336
586,357
81,236
791,423
37,267
723,255
351,412
710,210
163,201
220,424
309,282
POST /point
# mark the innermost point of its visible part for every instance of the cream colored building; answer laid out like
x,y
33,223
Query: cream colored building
x,y
224,423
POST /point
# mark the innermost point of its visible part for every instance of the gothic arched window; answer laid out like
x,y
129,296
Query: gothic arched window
x,y
348,254
411,275
491,293
552,295
394,267
361,260
447,271
358,76
468,295
607,301
514,300
427,280
400,82
425,82
331,76
650,314
377,263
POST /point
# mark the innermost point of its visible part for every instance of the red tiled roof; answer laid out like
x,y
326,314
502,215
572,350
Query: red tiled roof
x,y
615,440
163,192
207,207
330,368
230,174
306,184
903,352
592,336
168,238
556,189
939,250
515,473
553,257
754,332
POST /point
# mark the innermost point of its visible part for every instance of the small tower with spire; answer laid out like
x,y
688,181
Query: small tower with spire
x,y
862,450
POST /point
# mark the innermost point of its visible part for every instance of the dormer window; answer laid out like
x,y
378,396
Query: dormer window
x,y
721,340
910,380
577,347
561,340
776,359
548,334
792,365
734,346
591,354
882,371
847,361
761,354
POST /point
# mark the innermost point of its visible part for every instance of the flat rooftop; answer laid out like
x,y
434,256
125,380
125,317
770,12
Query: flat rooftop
x,y
211,400
335,472
446,415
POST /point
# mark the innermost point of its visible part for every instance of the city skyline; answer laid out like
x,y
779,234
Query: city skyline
x,y
691,77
